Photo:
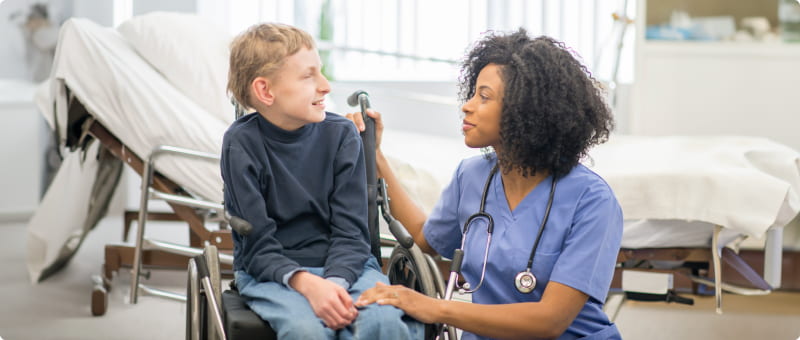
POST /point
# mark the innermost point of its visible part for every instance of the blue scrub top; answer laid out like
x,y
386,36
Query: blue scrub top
x,y
578,247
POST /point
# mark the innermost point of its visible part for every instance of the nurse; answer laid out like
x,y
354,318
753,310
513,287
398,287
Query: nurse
x,y
537,110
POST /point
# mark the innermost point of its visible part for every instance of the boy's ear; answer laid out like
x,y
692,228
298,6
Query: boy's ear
x,y
262,91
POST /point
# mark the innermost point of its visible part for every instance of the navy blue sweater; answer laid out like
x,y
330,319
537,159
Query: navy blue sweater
x,y
303,191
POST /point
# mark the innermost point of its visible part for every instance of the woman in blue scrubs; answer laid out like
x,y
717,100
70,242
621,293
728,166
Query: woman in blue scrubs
x,y
539,110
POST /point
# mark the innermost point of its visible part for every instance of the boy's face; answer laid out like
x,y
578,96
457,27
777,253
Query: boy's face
x,y
299,90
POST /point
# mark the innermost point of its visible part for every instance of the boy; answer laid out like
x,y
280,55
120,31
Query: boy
x,y
297,174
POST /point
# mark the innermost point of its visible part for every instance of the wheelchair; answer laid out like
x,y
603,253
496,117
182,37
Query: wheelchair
x,y
214,314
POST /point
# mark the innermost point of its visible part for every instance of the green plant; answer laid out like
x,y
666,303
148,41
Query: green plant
x,y
326,35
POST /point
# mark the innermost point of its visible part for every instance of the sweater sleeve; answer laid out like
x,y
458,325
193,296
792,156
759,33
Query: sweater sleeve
x,y
260,253
348,203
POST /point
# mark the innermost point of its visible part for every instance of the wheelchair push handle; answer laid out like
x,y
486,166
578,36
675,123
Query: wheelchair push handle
x,y
360,98
241,226
202,266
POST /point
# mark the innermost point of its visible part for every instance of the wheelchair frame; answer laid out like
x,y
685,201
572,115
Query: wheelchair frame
x,y
407,264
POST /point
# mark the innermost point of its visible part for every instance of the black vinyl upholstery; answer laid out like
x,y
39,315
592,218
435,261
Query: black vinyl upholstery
x,y
242,323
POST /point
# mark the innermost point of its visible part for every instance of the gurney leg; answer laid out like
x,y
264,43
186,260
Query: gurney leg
x,y
773,257
715,255
613,305
147,177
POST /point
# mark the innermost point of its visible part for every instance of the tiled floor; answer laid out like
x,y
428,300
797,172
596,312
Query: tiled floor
x,y
773,316
58,308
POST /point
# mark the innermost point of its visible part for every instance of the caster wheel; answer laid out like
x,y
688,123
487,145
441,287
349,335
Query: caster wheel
x,y
102,281
99,300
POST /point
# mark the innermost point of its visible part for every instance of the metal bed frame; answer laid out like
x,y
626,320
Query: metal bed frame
x,y
151,253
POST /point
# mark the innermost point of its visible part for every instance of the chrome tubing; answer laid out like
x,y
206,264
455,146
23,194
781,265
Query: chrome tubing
x,y
147,181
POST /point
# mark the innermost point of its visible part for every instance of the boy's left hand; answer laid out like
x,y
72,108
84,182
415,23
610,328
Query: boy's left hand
x,y
330,302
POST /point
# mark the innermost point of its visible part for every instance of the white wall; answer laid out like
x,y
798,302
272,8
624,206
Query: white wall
x,y
22,135
424,107
99,11
12,55
145,6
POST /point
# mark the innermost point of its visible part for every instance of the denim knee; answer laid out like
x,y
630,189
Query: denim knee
x,y
381,322
303,328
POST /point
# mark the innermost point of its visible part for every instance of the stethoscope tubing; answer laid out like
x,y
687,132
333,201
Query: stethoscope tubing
x,y
458,255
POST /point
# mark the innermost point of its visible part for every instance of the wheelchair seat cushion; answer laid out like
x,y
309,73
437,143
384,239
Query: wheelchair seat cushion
x,y
241,323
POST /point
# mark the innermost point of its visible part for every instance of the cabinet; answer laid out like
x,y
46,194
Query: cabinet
x,y
715,87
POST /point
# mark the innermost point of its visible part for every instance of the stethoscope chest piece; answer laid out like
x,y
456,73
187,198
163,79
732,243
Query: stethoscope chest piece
x,y
525,282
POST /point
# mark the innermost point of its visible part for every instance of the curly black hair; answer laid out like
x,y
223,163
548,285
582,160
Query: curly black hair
x,y
553,109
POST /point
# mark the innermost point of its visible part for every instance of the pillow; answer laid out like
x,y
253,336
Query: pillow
x,y
189,51
421,186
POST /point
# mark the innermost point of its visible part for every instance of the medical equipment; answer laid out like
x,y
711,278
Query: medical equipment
x,y
102,90
688,200
525,281
407,266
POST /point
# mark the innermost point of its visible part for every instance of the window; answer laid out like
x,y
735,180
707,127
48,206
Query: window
x,y
425,40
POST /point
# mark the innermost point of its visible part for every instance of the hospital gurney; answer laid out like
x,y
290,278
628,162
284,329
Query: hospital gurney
x,y
104,91
683,195
685,200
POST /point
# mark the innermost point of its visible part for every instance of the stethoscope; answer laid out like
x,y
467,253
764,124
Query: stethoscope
x,y
525,281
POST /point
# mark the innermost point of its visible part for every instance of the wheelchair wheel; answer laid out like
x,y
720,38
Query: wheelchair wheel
x,y
192,302
212,259
408,267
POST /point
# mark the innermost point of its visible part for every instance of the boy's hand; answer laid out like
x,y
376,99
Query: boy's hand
x,y
359,121
330,302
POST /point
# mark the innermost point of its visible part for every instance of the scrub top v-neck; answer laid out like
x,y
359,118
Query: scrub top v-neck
x,y
578,247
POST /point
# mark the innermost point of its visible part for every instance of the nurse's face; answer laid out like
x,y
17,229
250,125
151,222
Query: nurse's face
x,y
481,125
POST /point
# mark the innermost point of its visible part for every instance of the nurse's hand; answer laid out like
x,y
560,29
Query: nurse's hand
x,y
418,306
359,121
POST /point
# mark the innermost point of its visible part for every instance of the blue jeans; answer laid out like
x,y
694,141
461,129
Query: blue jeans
x,y
291,316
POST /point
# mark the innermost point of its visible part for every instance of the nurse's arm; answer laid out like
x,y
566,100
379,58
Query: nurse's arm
x,y
548,318
403,208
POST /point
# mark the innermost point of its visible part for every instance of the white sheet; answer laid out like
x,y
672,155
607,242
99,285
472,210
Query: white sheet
x,y
745,184
135,103
57,226
672,190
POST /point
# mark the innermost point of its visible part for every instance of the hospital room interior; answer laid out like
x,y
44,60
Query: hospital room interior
x,y
114,112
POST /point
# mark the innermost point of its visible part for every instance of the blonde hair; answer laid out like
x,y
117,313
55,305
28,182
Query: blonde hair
x,y
259,52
